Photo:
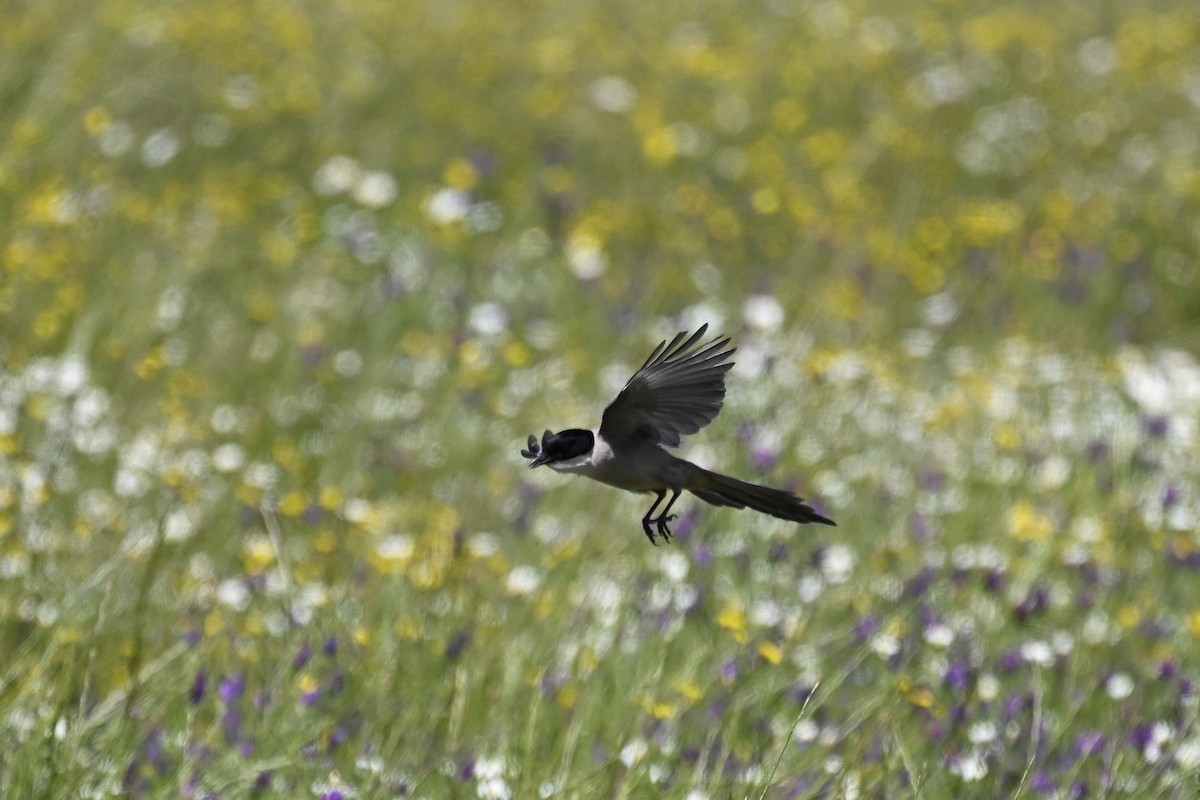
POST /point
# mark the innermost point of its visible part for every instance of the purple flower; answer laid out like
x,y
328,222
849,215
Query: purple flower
x,y
1156,426
932,479
763,458
957,676
1033,603
261,783
779,552
1156,628
1170,496
1098,450
919,527
729,671
702,554
716,711
198,686
231,724
1142,735
1088,742
1014,703
330,646
865,628
994,580
457,644
312,354
1010,660
302,657
685,526
333,794
1041,782
919,584
230,689
337,737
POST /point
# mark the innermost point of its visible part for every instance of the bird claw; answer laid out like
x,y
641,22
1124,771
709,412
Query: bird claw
x,y
663,530
649,533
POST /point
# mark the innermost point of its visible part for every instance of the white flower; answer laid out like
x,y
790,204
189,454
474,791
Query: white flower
x,y
233,593
375,189
1119,686
228,457
160,147
1037,652
938,635
763,311
488,319
613,94
585,258
336,175
523,580
885,645
633,752
396,547
982,732
837,563
972,768
448,205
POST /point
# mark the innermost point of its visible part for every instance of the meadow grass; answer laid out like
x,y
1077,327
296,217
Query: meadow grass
x,y
285,285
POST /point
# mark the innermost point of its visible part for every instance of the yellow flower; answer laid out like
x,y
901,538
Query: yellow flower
x,y
97,120
732,619
765,200
1128,616
1007,437
660,145
1026,523
983,223
662,711
331,498
293,504
770,652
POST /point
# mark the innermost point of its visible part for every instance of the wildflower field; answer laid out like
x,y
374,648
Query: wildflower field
x,y
285,285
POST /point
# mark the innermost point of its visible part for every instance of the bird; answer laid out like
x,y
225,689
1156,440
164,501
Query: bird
x,y
678,391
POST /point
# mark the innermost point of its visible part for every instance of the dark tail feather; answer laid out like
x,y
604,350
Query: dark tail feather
x,y
726,491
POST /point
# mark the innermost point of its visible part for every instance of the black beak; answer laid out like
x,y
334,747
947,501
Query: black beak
x,y
539,460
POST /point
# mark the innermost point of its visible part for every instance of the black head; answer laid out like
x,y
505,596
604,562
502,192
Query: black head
x,y
563,446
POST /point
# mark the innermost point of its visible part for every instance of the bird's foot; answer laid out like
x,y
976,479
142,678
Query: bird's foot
x,y
663,530
649,533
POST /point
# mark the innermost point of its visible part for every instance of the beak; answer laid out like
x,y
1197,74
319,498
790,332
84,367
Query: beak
x,y
539,460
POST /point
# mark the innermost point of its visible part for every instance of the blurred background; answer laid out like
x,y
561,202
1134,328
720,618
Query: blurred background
x,y
284,285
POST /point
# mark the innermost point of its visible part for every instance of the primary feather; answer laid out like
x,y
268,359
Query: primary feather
x,y
677,392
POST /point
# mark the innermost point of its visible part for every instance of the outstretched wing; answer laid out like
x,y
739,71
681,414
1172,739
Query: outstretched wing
x,y
677,392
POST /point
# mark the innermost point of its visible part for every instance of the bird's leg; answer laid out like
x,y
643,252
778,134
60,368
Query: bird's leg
x,y
663,518
646,520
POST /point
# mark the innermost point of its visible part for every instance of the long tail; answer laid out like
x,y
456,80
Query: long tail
x,y
721,490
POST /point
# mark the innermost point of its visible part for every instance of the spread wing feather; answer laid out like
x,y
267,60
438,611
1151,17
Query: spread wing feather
x,y
677,392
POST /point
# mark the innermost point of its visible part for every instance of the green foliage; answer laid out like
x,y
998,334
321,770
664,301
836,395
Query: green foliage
x,y
285,285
